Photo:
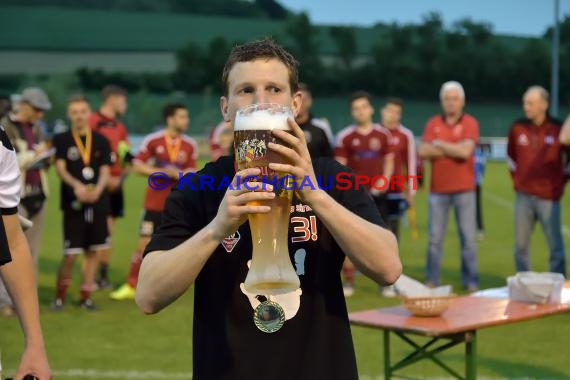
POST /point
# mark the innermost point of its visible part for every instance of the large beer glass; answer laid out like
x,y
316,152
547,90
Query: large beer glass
x,y
271,271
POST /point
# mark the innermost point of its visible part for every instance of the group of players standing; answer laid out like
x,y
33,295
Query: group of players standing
x,y
93,160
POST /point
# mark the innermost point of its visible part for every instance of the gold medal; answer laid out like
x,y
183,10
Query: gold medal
x,y
172,147
85,152
269,316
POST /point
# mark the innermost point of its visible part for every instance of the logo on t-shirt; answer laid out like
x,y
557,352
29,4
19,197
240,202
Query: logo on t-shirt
x,y
374,144
231,241
522,140
458,130
181,157
356,142
159,149
72,153
549,140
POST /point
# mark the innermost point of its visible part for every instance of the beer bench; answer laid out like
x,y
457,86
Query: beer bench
x,y
458,325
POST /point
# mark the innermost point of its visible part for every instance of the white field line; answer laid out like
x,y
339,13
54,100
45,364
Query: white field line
x,y
500,201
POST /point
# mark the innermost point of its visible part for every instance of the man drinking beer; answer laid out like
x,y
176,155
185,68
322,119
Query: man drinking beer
x,y
204,241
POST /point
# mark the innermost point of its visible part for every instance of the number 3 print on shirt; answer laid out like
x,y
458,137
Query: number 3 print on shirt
x,y
306,228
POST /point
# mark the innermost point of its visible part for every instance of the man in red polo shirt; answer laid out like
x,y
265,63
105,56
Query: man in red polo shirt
x,y
365,148
448,143
106,122
539,165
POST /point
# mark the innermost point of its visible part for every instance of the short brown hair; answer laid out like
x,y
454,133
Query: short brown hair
x,y
170,109
395,101
360,95
112,90
266,48
77,98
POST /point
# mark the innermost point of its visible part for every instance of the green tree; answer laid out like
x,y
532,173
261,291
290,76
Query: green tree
x,y
303,43
190,71
345,43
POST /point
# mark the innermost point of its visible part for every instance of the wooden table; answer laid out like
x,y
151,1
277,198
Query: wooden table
x,y
457,325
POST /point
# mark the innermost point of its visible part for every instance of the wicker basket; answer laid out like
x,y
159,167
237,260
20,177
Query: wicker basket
x,y
427,306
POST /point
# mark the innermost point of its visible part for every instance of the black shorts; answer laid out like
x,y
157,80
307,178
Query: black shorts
x,y
85,230
4,247
150,221
382,205
396,207
117,203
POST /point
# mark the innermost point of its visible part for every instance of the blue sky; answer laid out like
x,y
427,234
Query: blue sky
x,y
520,17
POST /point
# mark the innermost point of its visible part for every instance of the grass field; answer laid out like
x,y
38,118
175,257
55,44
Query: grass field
x,y
119,342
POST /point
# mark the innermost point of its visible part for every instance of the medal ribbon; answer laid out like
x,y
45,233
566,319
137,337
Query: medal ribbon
x,y
172,147
84,150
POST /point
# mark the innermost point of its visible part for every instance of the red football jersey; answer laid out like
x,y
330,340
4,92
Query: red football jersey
x,y
114,131
217,146
154,148
404,148
364,153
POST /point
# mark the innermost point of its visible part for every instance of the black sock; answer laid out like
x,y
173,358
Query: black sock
x,y
103,271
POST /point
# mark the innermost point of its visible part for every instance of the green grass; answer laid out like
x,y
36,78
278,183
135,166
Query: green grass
x,y
119,337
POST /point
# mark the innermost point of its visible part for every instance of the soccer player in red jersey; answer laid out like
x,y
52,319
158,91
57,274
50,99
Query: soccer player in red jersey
x,y
106,122
221,140
365,148
171,153
401,194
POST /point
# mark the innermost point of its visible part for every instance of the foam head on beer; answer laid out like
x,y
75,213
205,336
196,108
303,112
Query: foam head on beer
x,y
252,134
262,117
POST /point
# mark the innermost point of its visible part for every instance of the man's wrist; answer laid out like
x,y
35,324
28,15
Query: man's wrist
x,y
316,199
213,232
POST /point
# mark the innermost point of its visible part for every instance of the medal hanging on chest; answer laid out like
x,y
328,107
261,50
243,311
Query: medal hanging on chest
x,y
269,316
85,153
172,148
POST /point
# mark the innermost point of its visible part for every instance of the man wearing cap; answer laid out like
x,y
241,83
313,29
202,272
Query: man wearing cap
x,y
26,135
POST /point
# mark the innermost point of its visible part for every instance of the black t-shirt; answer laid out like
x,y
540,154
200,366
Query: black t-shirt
x,y
318,136
66,149
317,342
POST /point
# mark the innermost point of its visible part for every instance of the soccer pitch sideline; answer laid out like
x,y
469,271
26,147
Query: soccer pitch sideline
x,y
119,342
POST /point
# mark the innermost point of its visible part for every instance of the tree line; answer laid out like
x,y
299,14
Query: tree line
x,y
263,9
405,60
